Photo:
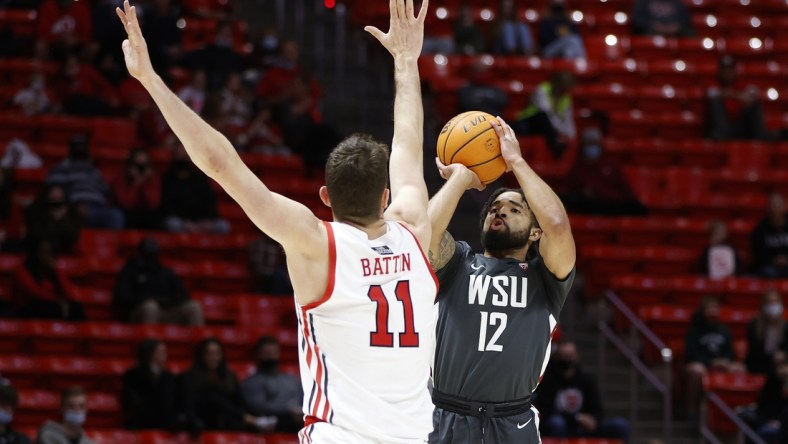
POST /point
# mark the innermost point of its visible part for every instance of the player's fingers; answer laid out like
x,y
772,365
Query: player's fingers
x,y
134,19
423,11
122,17
409,9
401,14
498,129
377,33
393,9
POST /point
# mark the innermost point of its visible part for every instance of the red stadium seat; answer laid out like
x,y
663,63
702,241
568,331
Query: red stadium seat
x,y
22,22
736,390
113,437
233,438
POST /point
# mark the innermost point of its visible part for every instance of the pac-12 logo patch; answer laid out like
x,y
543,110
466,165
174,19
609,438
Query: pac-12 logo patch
x,y
384,250
524,265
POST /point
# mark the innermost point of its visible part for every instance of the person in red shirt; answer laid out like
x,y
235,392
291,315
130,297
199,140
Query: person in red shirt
x,y
64,24
596,185
280,80
82,90
734,109
42,290
138,192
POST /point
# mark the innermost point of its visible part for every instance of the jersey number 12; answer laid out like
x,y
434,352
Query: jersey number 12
x,y
382,337
494,318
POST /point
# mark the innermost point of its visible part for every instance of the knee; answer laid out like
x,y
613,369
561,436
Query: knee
x,y
174,224
193,313
619,428
695,370
148,312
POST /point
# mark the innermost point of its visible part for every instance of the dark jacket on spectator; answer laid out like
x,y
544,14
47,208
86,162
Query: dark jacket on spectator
x,y
757,360
81,180
706,342
187,196
768,242
568,397
212,403
142,279
148,398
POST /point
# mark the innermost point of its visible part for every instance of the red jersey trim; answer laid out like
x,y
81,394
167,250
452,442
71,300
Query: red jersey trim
x,y
332,269
426,261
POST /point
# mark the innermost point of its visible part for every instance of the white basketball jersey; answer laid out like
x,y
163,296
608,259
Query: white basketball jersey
x,y
366,347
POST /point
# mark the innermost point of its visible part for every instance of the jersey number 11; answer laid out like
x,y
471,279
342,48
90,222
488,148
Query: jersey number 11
x,y
382,337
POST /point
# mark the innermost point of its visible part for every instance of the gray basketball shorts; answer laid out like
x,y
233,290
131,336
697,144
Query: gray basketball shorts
x,y
453,428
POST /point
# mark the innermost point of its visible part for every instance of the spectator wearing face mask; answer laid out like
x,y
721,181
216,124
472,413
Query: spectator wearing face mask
x,y
708,348
74,408
147,292
767,343
719,260
597,184
569,402
269,392
9,400
558,34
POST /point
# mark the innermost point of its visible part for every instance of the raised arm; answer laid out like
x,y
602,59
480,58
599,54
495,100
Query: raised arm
x,y
442,207
557,246
216,156
408,190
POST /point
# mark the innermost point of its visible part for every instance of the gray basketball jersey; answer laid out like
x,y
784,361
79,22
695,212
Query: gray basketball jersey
x,y
495,320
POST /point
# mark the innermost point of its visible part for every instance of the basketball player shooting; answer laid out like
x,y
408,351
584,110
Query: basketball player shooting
x,y
497,309
364,290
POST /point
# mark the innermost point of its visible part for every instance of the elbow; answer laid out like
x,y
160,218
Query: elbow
x,y
556,225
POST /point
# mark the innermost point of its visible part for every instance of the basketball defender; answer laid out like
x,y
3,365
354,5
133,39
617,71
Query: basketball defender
x,y
497,309
364,290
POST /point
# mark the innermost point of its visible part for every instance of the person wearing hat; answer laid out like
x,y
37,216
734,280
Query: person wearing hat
x,y
147,292
733,109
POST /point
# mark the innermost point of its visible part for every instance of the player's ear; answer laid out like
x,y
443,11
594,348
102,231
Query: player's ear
x,y
536,234
384,200
324,196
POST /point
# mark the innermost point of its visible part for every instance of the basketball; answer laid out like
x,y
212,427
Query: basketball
x,y
470,139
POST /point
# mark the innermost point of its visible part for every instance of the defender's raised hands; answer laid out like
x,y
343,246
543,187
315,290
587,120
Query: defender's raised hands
x,y
135,50
406,30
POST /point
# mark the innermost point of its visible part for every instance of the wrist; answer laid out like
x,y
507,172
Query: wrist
x,y
405,61
149,80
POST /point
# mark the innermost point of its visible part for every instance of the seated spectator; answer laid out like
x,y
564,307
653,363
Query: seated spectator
x,y
769,241
569,401
468,37
772,410
33,99
733,109
596,184
188,203
53,219
708,348
263,135
43,291
550,113
668,18
480,93
218,59
85,187
559,37
9,400
149,389
193,94
236,102
302,123
147,292
74,408
512,35
719,260
82,90
138,192
161,31
767,336
63,25
18,154
211,394
269,392
276,85
267,267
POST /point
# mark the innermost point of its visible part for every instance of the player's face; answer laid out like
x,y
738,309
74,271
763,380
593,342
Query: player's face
x,y
507,224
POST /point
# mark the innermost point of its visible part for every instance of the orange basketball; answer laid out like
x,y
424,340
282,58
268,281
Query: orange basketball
x,y
470,139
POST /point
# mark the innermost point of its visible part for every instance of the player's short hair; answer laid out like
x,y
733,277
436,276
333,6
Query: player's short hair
x,y
70,393
356,177
495,195
8,396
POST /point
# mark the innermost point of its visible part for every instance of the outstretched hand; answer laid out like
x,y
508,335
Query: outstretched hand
x,y
135,50
510,146
447,171
406,31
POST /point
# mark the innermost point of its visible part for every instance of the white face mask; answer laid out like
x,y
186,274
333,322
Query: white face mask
x,y
74,418
774,309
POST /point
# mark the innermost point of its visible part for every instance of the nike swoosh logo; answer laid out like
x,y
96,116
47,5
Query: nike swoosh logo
x,y
477,267
520,426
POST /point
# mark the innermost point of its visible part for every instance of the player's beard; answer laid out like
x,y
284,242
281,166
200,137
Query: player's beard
x,y
504,239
